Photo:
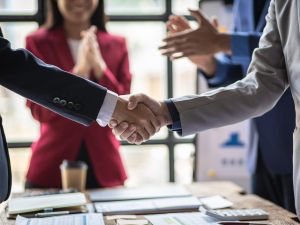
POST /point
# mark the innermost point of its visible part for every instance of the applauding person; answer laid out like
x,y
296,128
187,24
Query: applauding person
x,y
75,39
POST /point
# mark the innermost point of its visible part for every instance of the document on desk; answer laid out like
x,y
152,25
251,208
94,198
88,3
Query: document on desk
x,y
195,218
148,206
78,219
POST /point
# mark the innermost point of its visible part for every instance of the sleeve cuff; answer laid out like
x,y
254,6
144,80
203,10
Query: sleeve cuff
x,y
176,125
107,108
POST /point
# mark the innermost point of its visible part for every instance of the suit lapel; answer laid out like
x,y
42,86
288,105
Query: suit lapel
x,y
62,50
1,34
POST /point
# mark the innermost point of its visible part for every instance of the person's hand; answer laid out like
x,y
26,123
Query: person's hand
x,y
127,130
205,40
178,24
83,67
146,124
96,60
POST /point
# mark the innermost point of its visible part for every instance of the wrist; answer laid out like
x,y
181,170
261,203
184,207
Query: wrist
x,y
119,109
165,113
208,66
99,69
223,43
81,70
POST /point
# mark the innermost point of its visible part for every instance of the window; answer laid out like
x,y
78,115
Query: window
x,y
142,23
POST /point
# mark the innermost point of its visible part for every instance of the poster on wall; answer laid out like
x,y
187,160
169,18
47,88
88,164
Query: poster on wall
x,y
223,153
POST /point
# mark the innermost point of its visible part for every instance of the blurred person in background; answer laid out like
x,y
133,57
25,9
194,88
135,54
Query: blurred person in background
x,y
271,162
75,39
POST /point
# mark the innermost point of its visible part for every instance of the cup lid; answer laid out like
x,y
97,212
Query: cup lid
x,y
73,164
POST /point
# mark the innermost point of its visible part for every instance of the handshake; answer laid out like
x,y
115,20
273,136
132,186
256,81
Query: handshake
x,y
138,117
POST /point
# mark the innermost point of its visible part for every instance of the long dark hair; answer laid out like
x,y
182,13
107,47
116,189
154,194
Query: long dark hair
x,y
55,18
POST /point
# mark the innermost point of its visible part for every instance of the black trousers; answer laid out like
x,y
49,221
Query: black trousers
x,y
91,180
275,188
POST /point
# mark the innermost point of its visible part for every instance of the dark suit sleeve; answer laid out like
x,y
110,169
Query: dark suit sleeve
x,y
68,95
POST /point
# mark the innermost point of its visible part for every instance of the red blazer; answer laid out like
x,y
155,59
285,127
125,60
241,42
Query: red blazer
x,y
61,138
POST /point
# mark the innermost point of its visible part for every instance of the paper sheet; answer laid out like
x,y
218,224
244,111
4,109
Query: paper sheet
x,y
181,219
76,219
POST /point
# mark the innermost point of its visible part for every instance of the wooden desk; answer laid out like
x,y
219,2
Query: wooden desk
x,y
278,216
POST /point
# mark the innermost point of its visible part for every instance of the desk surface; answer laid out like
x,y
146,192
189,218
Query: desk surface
x,y
278,216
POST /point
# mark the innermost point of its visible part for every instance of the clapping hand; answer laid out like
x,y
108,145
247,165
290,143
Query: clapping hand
x,y
205,40
129,130
177,24
89,55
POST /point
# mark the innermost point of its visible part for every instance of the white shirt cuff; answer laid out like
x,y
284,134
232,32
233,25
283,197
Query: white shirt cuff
x,y
107,108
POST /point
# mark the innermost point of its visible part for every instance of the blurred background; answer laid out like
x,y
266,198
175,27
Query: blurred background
x,y
166,157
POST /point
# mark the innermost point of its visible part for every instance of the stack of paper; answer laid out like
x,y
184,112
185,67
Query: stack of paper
x,y
148,206
135,193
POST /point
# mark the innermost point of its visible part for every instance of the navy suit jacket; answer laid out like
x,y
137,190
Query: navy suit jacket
x,y
275,128
68,95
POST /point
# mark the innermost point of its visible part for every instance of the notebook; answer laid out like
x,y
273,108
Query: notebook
x,y
148,206
39,203
121,194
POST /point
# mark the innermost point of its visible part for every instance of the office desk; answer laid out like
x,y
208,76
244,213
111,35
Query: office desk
x,y
278,216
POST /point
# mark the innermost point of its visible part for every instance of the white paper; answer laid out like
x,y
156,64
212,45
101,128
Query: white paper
x,y
131,222
147,205
76,219
115,217
135,193
216,202
181,219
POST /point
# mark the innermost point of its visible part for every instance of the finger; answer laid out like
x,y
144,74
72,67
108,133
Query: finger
x,y
183,54
138,140
119,130
128,132
156,124
134,100
132,138
201,19
174,43
144,134
150,128
93,29
170,27
182,22
178,50
177,36
113,123
215,22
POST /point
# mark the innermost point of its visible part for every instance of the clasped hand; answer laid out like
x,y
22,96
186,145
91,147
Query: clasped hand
x,y
138,117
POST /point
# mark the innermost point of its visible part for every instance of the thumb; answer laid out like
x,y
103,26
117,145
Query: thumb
x,y
199,17
134,100
215,22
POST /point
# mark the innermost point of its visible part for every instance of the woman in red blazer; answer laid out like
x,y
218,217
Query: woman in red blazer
x,y
75,39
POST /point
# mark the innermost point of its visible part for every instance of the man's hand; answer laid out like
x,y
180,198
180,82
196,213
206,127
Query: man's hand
x,y
205,40
207,63
128,130
146,124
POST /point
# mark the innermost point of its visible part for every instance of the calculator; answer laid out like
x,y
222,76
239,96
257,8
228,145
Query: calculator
x,y
238,214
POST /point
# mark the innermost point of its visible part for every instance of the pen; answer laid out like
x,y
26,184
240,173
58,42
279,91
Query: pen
x,y
58,213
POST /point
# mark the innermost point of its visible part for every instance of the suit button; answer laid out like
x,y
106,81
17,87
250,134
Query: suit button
x,y
70,105
63,102
77,107
56,100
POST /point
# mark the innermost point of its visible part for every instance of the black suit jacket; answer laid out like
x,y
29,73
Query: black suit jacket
x,y
68,95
